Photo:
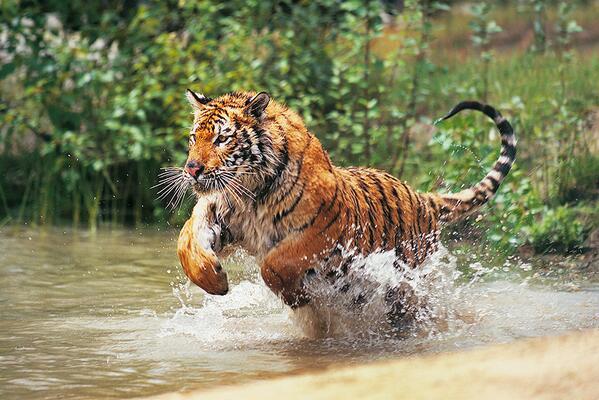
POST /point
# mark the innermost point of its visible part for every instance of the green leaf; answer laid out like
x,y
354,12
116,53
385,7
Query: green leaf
x,y
7,69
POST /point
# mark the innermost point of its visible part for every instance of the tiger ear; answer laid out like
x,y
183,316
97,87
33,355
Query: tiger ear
x,y
257,104
197,100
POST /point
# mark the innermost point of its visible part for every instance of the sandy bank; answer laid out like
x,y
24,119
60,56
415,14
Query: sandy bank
x,y
565,367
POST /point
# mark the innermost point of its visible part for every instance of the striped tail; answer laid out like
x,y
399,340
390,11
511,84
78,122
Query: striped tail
x,y
460,204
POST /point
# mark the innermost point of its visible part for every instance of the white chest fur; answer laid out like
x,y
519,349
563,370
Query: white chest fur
x,y
253,229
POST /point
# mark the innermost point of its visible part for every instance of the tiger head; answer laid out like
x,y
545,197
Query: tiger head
x,y
228,145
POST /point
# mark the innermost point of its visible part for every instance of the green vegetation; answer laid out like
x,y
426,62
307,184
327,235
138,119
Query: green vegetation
x,y
92,101
558,232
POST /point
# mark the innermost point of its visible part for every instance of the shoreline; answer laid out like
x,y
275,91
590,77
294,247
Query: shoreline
x,y
556,367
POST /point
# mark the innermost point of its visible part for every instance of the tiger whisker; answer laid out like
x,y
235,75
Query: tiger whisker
x,y
234,182
167,180
232,191
219,185
175,198
170,187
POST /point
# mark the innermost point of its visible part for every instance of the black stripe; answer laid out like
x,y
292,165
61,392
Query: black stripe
x,y
422,211
392,203
271,182
288,211
505,128
494,183
412,238
371,216
490,111
247,152
354,196
338,243
509,151
263,140
334,199
429,228
421,220
385,206
399,211
445,211
479,197
312,220
486,186
358,230
299,170
502,168
433,205
429,213
216,116
327,159
331,222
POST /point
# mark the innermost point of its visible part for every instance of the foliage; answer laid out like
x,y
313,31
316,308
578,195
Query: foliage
x,y
92,105
558,232
540,9
566,26
483,28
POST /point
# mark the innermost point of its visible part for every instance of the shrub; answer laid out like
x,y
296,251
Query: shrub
x,y
559,232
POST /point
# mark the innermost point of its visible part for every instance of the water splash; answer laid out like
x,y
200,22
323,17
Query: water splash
x,y
250,312
357,306
362,302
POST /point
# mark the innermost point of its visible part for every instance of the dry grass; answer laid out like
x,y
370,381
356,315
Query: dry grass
x,y
452,33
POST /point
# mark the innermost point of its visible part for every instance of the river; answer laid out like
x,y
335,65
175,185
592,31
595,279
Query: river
x,y
110,315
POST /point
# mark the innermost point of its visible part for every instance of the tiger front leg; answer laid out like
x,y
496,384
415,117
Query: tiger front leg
x,y
285,267
197,248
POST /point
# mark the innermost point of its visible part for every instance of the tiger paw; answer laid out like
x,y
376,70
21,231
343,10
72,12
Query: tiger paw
x,y
199,261
206,272
209,237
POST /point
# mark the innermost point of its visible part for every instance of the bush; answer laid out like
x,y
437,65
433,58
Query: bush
x,y
580,179
559,232
90,111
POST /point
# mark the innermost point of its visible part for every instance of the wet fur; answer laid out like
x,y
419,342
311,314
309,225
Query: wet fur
x,y
282,200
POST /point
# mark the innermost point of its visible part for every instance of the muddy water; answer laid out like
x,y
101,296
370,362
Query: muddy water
x,y
110,316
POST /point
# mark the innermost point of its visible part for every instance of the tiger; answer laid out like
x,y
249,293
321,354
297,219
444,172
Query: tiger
x,y
264,182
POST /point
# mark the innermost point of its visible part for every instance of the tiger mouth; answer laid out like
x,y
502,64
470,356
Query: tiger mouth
x,y
210,182
233,183
204,185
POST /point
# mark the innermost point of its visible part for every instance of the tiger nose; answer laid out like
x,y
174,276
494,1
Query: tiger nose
x,y
194,168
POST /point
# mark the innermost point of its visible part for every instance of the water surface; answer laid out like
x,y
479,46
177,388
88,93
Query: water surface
x,y
110,316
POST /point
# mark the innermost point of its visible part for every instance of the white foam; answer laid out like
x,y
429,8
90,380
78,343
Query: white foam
x,y
333,312
451,307
250,312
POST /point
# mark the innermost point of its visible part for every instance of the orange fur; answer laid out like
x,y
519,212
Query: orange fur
x,y
285,202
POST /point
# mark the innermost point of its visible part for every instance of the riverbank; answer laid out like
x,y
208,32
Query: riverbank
x,y
541,368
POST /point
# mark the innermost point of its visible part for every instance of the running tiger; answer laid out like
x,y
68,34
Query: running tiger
x,y
264,182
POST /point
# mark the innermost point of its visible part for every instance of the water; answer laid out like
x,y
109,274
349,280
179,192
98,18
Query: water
x,y
111,316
